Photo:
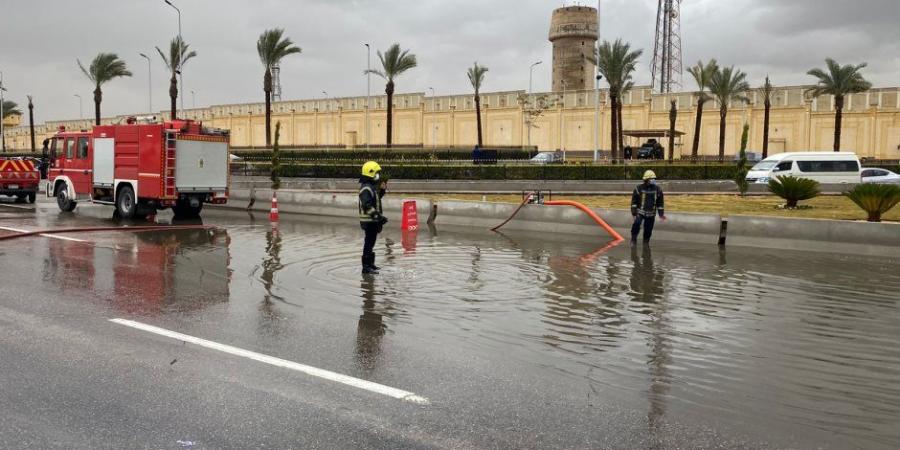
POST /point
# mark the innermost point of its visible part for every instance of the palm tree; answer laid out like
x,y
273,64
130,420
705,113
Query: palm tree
x,y
393,63
105,67
616,61
272,47
629,85
839,82
727,85
767,90
476,77
31,120
178,55
702,74
673,117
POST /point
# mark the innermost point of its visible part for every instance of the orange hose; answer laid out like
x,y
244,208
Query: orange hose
x,y
618,237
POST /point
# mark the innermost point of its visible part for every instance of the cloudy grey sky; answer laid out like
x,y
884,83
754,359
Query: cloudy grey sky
x,y
40,40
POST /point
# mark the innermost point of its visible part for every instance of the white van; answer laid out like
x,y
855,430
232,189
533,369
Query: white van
x,y
824,167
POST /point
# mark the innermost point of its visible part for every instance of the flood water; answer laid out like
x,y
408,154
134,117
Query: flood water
x,y
793,349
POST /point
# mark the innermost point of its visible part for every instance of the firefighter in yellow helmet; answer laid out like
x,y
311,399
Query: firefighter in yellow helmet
x,y
371,219
647,201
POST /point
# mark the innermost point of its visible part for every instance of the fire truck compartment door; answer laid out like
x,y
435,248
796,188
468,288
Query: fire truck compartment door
x,y
104,161
201,166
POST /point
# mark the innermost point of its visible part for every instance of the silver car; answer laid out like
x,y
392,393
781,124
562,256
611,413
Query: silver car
x,y
880,176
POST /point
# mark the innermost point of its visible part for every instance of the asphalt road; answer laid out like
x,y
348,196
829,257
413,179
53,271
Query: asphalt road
x,y
73,378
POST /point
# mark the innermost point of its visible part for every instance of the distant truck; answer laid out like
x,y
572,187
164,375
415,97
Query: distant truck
x,y
140,167
19,178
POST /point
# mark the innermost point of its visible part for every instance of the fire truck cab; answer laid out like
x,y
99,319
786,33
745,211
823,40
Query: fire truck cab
x,y
140,167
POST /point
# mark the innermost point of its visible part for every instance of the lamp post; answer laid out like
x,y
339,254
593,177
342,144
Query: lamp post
x,y
368,89
180,74
80,109
597,124
530,81
433,125
149,83
193,100
2,135
331,109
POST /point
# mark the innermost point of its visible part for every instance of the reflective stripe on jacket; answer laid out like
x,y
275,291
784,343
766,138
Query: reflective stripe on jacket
x,y
369,202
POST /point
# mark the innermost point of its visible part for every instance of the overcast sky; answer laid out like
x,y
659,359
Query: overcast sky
x,y
40,40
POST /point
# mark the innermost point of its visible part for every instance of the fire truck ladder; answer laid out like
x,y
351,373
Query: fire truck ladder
x,y
169,166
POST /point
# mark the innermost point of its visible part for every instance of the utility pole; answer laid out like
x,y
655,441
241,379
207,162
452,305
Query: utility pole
x,y
2,133
180,71
80,108
149,83
433,125
368,89
528,99
597,124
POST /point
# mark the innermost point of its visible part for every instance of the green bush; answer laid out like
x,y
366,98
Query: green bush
x,y
502,172
875,199
361,156
794,189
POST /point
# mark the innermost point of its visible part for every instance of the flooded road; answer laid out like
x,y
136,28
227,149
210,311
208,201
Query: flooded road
x,y
517,340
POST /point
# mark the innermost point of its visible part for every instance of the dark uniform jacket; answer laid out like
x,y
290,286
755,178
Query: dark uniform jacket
x,y
369,201
646,200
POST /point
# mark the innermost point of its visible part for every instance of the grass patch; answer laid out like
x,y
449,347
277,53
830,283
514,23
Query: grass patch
x,y
823,207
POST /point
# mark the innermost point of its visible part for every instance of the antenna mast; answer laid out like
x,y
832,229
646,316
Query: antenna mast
x,y
667,62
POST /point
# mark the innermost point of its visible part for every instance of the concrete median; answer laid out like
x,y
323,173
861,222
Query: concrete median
x,y
833,236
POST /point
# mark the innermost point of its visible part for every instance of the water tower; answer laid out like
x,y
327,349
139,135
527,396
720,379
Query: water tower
x,y
573,32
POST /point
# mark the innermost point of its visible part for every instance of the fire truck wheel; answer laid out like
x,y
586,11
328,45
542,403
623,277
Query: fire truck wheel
x,y
125,203
184,210
62,198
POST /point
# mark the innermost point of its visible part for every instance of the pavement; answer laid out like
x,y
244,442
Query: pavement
x,y
246,336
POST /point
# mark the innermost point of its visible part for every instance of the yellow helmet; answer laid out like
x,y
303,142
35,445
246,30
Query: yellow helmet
x,y
371,169
649,175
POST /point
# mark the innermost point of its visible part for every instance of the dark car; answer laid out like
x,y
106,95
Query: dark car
x,y
650,150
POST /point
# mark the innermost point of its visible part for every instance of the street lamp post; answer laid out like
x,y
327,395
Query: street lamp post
x,y
149,83
2,135
368,89
180,72
530,83
193,100
433,124
80,108
597,124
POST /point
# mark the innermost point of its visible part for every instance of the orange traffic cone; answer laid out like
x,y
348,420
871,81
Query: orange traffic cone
x,y
273,215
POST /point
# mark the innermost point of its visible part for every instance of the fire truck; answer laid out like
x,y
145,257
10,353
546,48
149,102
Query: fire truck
x,y
140,167
19,178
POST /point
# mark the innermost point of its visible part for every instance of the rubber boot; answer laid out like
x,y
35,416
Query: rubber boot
x,y
367,269
372,262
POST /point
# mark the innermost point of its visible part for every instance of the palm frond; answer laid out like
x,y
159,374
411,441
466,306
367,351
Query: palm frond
x,y
838,80
272,46
103,68
476,76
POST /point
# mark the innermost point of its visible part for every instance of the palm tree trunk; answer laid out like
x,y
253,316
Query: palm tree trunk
x,y
614,133
673,116
31,123
621,129
173,95
98,97
765,147
695,149
267,88
723,114
478,118
389,90
838,118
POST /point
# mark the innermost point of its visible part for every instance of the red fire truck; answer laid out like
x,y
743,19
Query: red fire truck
x,y
19,178
140,167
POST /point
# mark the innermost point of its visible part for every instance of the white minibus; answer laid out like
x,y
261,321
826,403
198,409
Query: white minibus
x,y
824,167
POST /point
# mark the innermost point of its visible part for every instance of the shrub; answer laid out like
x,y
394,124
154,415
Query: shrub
x,y
794,189
742,169
875,199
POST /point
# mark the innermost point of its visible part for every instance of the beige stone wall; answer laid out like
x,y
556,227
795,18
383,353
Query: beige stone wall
x,y
871,122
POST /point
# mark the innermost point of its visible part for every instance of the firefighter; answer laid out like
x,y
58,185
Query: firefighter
x,y
371,190
646,202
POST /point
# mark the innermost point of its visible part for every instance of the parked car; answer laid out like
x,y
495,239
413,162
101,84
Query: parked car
x,y
547,158
879,176
824,167
651,150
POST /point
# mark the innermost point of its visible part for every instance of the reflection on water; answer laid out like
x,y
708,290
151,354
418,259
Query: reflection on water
x,y
782,339
144,273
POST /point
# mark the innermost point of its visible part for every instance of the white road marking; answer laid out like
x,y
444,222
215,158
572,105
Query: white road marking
x,y
28,208
309,370
53,236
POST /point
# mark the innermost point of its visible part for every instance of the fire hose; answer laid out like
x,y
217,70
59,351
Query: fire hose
x,y
136,229
602,223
